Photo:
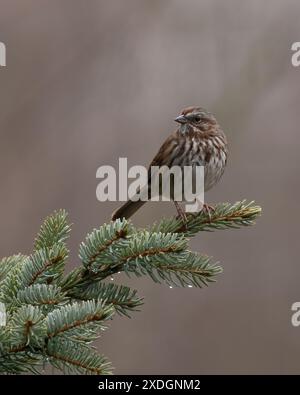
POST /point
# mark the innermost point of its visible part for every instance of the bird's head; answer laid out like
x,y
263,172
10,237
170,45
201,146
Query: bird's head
x,y
196,117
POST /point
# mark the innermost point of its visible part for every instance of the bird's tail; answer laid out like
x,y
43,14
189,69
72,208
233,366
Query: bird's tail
x,y
127,210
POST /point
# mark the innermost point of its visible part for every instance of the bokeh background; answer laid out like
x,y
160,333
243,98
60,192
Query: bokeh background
x,y
89,81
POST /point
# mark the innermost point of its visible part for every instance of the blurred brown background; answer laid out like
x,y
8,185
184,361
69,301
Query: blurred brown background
x,y
89,81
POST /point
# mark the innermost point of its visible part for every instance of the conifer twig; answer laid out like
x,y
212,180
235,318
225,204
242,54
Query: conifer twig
x,y
54,317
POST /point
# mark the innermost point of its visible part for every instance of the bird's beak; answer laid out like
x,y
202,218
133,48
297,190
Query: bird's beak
x,y
181,119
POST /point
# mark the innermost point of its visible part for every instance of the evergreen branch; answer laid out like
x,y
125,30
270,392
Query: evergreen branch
x,y
21,362
27,328
100,242
41,295
122,298
55,316
224,216
44,265
71,280
176,269
55,230
81,320
138,246
163,257
70,357
11,284
9,263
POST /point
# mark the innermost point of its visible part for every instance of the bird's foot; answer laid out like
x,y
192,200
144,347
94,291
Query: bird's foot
x,y
207,209
181,214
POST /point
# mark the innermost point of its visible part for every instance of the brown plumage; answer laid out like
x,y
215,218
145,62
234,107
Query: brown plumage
x,y
199,140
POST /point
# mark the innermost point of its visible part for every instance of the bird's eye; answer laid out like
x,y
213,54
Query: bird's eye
x,y
197,118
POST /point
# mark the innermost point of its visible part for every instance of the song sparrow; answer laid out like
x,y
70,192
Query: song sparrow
x,y
199,140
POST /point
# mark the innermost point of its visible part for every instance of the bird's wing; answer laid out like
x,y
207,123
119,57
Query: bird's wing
x,y
165,154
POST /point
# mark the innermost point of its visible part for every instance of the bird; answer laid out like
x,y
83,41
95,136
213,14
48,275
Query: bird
x,y
198,141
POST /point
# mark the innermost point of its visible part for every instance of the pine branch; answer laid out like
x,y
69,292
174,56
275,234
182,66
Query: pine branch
x,y
55,230
122,298
42,295
8,264
100,242
44,265
138,246
162,257
72,357
224,216
28,328
81,321
52,317
20,362
176,269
